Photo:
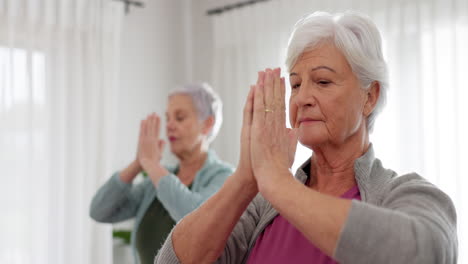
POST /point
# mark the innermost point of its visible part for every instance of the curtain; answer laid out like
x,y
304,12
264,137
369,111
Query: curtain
x,y
423,127
58,66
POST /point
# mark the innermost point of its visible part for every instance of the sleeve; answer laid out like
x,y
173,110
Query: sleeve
x,y
416,223
116,200
237,245
179,200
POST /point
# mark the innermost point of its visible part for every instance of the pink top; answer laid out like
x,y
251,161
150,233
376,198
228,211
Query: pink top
x,y
281,242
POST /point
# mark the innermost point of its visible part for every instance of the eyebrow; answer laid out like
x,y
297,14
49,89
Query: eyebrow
x,y
177,112
180,112
315,69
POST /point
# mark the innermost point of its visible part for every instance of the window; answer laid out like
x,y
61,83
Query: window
x,y
22,139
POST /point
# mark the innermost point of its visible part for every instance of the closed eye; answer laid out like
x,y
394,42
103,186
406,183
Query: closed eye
x,y
324,82
295,86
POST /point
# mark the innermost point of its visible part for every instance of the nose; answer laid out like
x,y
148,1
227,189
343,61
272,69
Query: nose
x,y
305,97
170,125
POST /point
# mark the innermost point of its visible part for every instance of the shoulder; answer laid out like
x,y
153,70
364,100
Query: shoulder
x,y
215,172
383,182
215,166
411,184
223,166
412,192
388,189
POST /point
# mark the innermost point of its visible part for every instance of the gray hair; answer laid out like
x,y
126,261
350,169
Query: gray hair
x,y
356,36
207,103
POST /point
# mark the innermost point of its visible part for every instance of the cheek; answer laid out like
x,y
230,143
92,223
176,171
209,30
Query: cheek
x,y
336,114
192,129
355,106
345,116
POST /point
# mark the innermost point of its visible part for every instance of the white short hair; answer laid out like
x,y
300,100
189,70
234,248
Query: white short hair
x,y
356,36
207,103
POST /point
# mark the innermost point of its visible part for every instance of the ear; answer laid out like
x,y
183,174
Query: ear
x,y
208,125
372,97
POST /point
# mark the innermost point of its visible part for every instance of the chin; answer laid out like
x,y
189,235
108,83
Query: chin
x,y
311,138
174,149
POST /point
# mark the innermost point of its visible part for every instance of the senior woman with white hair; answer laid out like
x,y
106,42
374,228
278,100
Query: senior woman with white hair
x,y
342,205
193,118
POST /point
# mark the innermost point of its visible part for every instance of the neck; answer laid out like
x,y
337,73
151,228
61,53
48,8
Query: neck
x,y
194,158
332,167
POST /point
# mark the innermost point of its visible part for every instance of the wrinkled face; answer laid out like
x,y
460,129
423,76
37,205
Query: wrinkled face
x,y
183,128
327,102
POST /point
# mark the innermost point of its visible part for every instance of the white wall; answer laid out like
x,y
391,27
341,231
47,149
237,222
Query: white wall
x,y
202,37
152,62
201,53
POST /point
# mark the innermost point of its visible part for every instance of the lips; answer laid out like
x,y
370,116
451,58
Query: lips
x,y
307,119
172,138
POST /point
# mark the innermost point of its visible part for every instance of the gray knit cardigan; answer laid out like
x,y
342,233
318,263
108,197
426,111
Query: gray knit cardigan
x,y
400,219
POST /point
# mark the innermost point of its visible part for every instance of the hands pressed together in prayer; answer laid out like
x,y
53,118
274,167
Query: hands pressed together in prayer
x,y
151,147
267,146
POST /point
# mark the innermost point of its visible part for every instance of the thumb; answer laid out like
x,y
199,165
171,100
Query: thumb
x,y
293,137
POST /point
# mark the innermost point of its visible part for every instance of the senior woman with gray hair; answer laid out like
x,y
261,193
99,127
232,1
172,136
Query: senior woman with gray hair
x,y
342,205
193,119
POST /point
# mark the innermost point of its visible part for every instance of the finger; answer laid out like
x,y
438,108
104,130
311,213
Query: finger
x,y
248,108
142,129
278,115
156,125
281,102
258,117
277,83
152,128
261,78
148,125
269,89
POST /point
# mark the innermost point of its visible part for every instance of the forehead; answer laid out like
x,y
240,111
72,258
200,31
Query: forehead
x,y
180,102
323,55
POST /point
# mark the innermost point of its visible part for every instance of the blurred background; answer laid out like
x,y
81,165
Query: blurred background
x,y
77,76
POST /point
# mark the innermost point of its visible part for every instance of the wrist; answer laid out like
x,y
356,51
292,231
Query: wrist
x,y
268,179
136,165
246,181
130,172
156,172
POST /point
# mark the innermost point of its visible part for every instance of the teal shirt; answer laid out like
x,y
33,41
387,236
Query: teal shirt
x,y
116,200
